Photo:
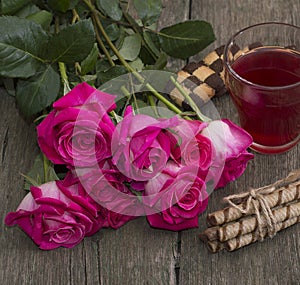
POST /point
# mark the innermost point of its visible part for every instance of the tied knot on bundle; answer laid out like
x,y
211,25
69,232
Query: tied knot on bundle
x,y
256,198
253,215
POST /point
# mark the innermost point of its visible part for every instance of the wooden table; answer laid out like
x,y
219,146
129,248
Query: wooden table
x,y
137,254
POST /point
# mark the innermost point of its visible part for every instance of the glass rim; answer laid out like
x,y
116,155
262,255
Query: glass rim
x,y
239,77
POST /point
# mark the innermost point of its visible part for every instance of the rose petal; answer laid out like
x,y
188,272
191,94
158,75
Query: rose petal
x,y
83,94
157,221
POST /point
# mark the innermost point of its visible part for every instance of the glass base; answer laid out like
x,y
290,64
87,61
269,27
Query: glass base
x,y
274,149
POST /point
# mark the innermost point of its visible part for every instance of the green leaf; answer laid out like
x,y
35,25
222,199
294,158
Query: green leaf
x,y
160,63
112,31
121,104
146,56
51,174
102,65
44,18
21,45
9,86
112,73
27,10
141,106
38,92
111,8
9,7
151,41
137,64
148,10
89,63
186,39
36,175
131,47
62,5
73,43
89,78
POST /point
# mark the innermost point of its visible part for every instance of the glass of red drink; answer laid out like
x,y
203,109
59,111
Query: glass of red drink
x,y
262,74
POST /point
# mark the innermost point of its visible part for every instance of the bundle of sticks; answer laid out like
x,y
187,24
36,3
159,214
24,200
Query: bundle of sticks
x,y
251,216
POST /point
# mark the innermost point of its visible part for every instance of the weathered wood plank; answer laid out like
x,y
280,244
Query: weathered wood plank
x,y
134,254
137,254
228,17
21,261
274,261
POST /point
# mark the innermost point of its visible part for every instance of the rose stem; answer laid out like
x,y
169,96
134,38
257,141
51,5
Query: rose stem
x,y
111,62
61,65
129,95
193,105
125,63
75,16
152,104
46,167
136,28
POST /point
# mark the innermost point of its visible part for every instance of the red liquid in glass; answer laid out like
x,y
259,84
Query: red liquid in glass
x,y
269,105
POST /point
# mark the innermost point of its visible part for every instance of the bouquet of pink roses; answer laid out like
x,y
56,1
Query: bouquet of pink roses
x,y
117,169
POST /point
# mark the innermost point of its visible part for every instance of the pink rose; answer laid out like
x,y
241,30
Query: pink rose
x,y
189,146
109,188
115,220
140,146
55,215
230,151
105,187
234,168
78,131
175,198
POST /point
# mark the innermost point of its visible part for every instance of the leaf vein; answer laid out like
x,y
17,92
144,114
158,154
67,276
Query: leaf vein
x,y
23,51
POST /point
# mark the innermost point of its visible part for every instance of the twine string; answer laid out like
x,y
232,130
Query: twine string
x,y
256,199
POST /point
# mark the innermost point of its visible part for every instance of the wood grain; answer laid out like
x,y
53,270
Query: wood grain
x,y
134,254
137,254
274,261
